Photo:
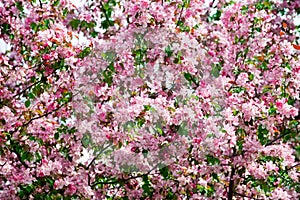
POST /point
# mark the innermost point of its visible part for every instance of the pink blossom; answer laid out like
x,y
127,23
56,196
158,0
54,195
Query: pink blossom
x,y
71,189
278,194
46,57
58,184
167,98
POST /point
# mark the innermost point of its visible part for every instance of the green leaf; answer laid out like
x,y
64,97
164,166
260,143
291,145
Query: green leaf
x,y
267,88
251,77
164,171
145,153
30,95
212,160
160,132
26,156
287,138
140,121
297,151
264,66
94,34
105,24
215,177
25,191
38,156
187,76
74,23
263,5
244,9
56,3
58,65
108,77
183,131
108,12
147,107
34,26
240,143
86,140
106,6
262,134
5,28
168,51
148,190
45,24
190,78
27,103
258,29
216,16
293,123
11,36
291,101
186,3
177,59
215,71
56,135
50,181
84,53
272,110
171,195
111,67
201,189
237,89
65,12
19,6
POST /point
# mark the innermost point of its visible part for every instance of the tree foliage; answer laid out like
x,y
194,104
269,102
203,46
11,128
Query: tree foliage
x,y
148,99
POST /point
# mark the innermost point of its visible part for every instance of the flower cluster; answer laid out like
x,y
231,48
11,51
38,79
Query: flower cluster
x,y
145,99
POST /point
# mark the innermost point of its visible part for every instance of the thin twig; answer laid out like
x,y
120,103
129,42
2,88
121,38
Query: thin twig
x,y
289,168
41,5
124,180
28,87
179,18
245,196
102,150
105,14
279,137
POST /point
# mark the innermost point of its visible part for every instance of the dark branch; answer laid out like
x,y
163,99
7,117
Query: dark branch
x,y
2,165
28,87
102,150
41,4
41,116
179,18
231,184
105,14
14,150
245,196
298,164
279,137
124,179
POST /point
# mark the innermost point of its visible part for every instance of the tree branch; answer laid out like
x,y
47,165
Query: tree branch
x,y
41,116
28,87
41,5
231,184
245,196
298,164
124,180
14,150
179,18
102,150
2,165
105,14
279,137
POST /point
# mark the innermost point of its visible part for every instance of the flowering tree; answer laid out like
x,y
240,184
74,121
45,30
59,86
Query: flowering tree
x,y
160,99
